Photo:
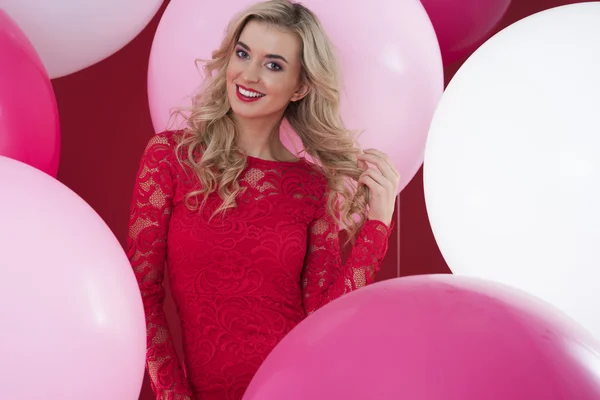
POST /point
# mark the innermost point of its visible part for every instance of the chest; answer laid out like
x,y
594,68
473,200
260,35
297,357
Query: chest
x,y
267,229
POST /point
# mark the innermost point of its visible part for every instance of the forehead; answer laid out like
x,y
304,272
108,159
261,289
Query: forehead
x,y
264,38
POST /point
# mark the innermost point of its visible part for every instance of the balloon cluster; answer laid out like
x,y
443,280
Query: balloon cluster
x,y
511,177
512,186
72,318
511,172
40,42
512,166
432,337
388,52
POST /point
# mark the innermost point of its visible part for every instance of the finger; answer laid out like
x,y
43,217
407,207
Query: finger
x,y
381,164
362,165
371,183
377,177
386,158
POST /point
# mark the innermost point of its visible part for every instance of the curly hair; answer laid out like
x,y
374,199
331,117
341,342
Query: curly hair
x,y
211,132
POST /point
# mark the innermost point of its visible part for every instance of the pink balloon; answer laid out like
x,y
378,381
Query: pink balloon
x,y
440,337
29,124
462,25
72,317
392,68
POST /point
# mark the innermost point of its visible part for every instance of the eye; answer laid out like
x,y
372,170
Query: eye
x,y
274,66
241,53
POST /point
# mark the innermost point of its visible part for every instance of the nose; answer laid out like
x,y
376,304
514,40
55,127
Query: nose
x,y
251,73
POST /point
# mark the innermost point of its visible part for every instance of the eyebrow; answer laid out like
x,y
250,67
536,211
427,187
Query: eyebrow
x,y
276,56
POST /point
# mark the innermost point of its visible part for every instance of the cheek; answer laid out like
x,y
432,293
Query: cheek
x,y
229,73
232,70
277,84
283,83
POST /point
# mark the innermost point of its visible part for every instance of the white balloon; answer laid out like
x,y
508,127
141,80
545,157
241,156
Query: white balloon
x,y
512,162
70,35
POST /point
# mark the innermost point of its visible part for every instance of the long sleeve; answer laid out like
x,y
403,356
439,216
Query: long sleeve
x,y
148,224
325,278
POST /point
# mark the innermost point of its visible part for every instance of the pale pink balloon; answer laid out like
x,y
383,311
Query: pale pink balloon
x,y
29,124
70,35
392,67
443,337
462,25
72,316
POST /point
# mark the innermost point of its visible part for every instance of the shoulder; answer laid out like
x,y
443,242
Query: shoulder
x,y
160,153
164,145
165,139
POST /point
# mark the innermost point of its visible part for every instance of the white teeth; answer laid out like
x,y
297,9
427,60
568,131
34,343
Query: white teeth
x,y
248,93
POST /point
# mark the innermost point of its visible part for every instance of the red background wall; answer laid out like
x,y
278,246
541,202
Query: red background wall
x,y
105,124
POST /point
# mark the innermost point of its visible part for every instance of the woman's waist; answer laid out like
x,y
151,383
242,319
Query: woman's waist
x,y
253,309
234,329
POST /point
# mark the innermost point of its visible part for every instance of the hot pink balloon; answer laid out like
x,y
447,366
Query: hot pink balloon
x,y
440,337
72,317
462,25
29,124
392,68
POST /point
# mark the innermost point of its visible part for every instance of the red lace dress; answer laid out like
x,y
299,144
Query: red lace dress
x,y
240,282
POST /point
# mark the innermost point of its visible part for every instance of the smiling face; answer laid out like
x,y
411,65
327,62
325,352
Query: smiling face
x,y
263,74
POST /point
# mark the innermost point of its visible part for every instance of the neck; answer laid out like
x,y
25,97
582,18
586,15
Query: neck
x,y
260,138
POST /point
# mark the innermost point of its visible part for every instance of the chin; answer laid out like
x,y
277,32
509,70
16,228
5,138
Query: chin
x,y
243,112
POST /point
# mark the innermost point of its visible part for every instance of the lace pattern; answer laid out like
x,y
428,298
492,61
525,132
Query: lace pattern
x,y
149,218
240,281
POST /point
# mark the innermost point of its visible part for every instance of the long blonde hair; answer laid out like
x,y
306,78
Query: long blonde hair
x,y
212,133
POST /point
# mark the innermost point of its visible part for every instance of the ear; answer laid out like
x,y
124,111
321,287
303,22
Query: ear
x,y
302,91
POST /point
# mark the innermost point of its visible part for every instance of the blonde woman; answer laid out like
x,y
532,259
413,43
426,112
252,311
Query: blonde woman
x,y
247,231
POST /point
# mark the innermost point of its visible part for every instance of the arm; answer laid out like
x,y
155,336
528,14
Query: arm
x,y
325,278
146,248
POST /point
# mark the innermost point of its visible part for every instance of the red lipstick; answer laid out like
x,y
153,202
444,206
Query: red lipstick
x,y
244,97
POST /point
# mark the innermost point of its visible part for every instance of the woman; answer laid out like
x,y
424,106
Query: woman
x,y
248,231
